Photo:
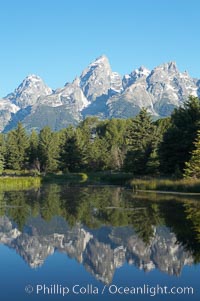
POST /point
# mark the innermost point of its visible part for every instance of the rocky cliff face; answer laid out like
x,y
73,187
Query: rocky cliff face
x,y
7,111
101,251
29,91
98,92
98,79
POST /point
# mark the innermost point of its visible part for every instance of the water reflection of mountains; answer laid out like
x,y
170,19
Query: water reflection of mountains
x,y
102,228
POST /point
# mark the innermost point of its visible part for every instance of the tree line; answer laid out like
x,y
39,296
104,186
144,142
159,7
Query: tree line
x,y
139,145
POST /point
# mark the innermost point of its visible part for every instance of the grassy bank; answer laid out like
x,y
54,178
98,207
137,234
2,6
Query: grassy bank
x,y
69,178
107,177
93,178
19,183
184,185
126,179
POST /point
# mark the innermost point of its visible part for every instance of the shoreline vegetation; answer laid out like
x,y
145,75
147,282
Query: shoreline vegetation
x,y
25,181
8,183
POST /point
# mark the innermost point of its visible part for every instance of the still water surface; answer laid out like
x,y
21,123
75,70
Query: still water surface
x,y
98,243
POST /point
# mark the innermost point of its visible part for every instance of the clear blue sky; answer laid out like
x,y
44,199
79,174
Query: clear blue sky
x,y
57,39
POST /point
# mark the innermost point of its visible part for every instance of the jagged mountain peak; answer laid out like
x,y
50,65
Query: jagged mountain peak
x,y
32,77
76,81
129,79
27,93
167,67
29,81
101,62
102,59
99,91
95,80
164,73
140,72
144,70
172,65
32,80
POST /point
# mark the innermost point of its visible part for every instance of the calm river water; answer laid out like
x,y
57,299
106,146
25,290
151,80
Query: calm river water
x,y
98,243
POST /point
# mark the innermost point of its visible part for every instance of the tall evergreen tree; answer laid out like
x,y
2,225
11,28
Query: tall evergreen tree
x,y
73,154
48,150
153,163
177,143
104,143
87,146
17,144
33,150
140,138
115,133
98,156
192,167
2,152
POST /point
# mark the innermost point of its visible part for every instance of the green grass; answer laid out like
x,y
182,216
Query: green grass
x,y
114,178
95,178
19,183
184,185
65,178
16,180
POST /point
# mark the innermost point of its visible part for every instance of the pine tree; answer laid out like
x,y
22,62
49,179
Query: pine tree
x,y
2,153
17,144
98,157
153,163
152,166
48,150
115,130
140,139
192,167
177,143
33,150
1,162
73,153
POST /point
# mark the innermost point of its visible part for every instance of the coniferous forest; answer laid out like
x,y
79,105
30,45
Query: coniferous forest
x,y
139,145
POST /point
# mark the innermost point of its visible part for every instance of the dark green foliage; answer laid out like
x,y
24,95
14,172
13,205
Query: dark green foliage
x,y
2,152
104,143
33,151
72,155
192,168
115,136
137,145
48,150
140,140
1,162
177,143
153,163
17,144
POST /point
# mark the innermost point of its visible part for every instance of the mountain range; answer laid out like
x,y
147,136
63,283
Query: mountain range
x,y
100,92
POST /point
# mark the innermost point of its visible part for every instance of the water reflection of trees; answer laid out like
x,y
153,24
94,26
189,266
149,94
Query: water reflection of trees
x,y
94,207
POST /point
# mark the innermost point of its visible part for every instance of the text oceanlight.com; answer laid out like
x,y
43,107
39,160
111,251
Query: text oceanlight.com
x,y
89,289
